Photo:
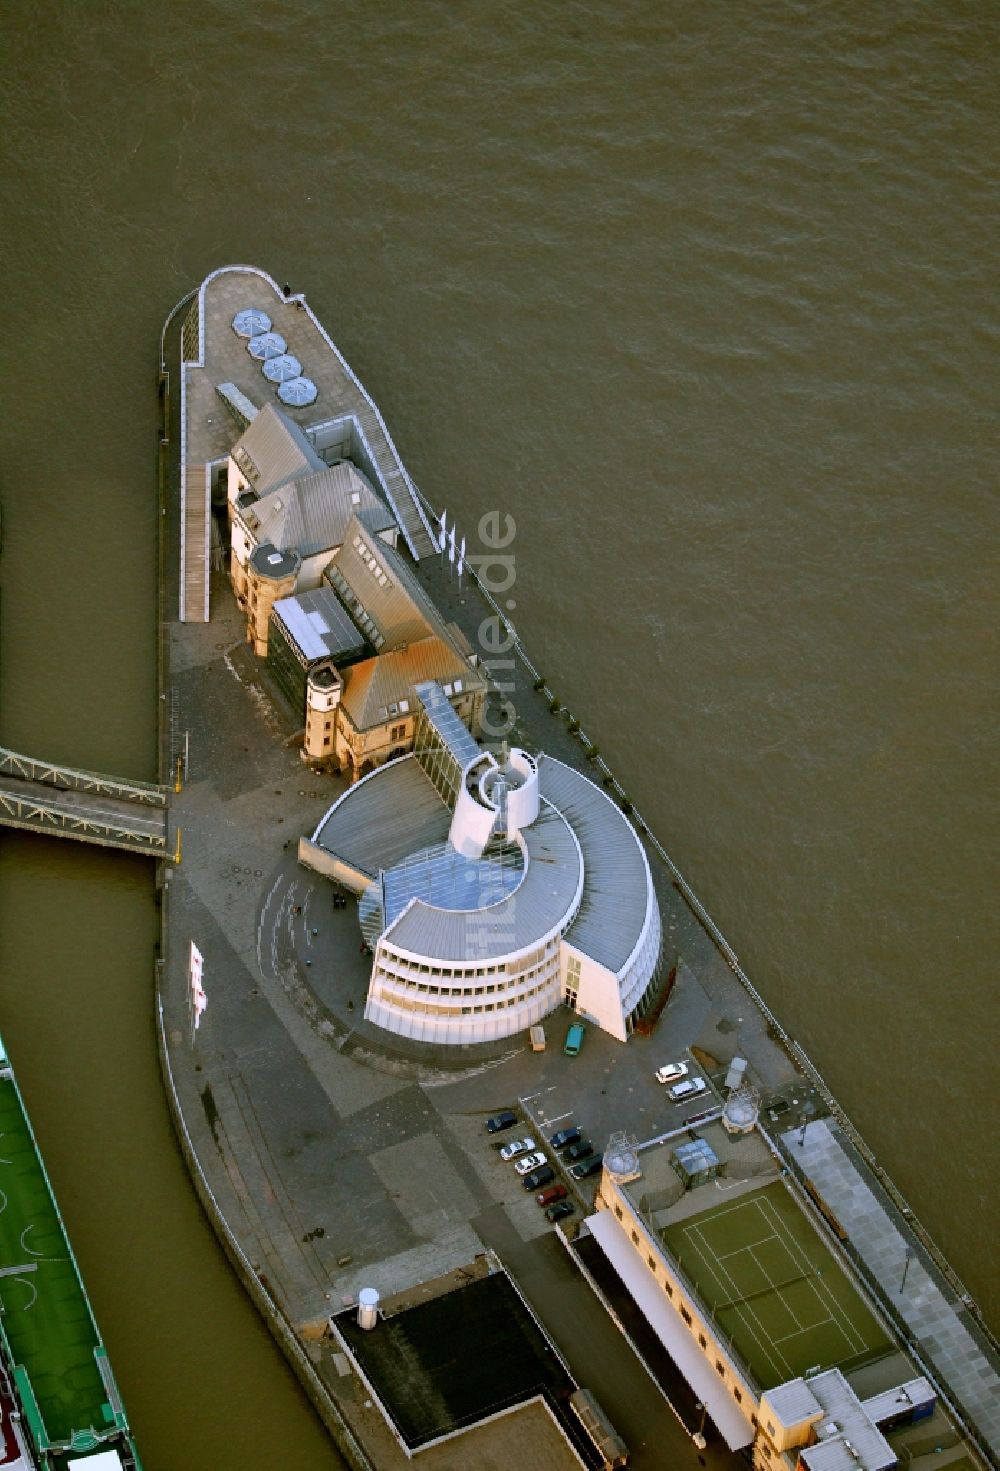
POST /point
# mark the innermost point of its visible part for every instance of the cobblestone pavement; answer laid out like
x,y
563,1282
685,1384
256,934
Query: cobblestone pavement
x,y
932,1314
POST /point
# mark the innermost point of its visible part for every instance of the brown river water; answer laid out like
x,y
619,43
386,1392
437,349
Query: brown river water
x,y
702,295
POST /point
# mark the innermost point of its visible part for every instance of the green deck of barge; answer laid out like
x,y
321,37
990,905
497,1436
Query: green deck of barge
x,y
44,1312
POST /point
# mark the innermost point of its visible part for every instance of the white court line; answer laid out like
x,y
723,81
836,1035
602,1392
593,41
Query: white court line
x,y
831,1304
796,1334
785,1303
722,1255
741,1308
773,1220
25,1307
770,1218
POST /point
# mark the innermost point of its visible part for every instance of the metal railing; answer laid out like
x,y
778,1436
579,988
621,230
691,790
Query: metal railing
x,y
847,1254
776,1030
34,816
28,768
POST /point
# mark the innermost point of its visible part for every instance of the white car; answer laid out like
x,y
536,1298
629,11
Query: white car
x,y
690,1088
672,1073
516,1147
529,1162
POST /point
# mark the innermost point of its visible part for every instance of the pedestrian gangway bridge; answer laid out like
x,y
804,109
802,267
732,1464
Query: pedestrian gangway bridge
x,y
40,796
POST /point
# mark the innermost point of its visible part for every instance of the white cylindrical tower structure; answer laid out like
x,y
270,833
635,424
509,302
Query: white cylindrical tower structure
x,y
324,688
472,821
522,791
367,1308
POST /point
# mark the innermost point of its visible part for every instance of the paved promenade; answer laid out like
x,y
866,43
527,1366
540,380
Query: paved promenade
x,y
341,1157
932,1314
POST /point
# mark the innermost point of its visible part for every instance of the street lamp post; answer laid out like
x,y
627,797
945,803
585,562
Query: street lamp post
x,y
699,1436
910,1254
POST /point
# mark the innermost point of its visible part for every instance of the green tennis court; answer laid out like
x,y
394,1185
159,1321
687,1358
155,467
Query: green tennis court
x,y
774,1288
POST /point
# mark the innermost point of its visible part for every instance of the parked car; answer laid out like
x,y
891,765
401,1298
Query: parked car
x,y
506,1119
515,1147
671,1073
559,1211
574,1039
529,1162
690,1088
563,1137
587,1167
550,1196
579,1150
538,1178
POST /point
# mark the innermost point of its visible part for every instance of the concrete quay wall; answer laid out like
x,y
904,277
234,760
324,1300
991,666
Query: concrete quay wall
x,y
277,1324
552,728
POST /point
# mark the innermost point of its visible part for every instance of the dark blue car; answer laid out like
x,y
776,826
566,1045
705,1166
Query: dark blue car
x,y
564,1137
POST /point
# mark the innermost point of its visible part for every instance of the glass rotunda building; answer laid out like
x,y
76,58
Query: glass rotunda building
x,y
491,891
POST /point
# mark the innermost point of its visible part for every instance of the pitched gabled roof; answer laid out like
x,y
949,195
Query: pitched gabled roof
x,y
273,450
312,513
387,590
373,685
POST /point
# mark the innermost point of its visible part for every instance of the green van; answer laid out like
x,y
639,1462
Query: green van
x,y
574,1039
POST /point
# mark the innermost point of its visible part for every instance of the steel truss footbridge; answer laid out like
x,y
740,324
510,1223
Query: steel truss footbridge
x,y
41,796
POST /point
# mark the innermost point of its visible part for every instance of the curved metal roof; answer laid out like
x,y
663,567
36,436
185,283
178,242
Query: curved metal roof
x,y
552,875
617,889
384,818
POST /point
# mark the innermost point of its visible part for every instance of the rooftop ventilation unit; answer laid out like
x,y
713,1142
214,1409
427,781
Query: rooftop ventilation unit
x,y
742,1110
621,1158
367,1308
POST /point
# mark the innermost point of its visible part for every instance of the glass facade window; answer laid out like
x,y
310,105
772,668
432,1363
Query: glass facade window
x,y
286,665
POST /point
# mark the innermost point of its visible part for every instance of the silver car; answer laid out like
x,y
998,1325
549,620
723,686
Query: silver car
x,y
529,1162
516,1147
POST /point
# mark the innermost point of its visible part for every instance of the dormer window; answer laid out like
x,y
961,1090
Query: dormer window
x,y
245,463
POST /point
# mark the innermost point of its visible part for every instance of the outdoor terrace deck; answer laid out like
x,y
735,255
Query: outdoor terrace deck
x,y
209,431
